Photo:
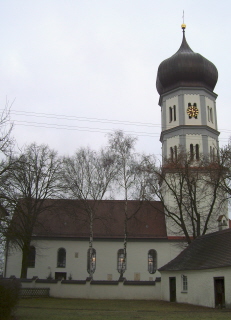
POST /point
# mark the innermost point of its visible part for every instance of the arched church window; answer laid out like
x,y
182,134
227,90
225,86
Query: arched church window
x,y
91,260
121,261
31,257
208,112
152,261
61,258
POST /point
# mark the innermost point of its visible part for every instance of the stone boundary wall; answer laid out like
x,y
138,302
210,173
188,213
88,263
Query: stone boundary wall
x,y
98,289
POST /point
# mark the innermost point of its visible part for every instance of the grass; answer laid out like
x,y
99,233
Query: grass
x,y
72,309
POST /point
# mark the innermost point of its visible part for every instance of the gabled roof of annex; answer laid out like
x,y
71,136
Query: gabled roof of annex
x,y
206,252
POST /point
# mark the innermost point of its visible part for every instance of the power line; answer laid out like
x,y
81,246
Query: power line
x,y
66,117
87,119
101,120
56,126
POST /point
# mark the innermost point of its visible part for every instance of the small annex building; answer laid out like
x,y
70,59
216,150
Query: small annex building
x,y
201,274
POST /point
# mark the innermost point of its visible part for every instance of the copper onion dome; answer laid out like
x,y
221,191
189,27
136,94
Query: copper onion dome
x,y
186,69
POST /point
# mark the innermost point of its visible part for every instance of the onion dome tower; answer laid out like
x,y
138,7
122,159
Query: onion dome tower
x,y
185,83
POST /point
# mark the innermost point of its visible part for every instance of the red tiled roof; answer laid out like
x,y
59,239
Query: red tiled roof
x,y
66,219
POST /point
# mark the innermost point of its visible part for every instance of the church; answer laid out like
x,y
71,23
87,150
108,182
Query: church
x,y
60,257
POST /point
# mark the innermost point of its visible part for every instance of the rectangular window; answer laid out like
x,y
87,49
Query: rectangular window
x,y
184,283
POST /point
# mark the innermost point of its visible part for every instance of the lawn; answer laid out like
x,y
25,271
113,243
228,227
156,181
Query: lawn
x,y
71,309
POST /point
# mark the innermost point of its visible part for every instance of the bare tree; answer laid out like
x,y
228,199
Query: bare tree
x,y
6,151
6,163
130,181
33,180
225,161
190,192
87,177
6,127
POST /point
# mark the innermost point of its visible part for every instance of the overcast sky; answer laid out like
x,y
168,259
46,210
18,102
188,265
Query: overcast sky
x,y
78,69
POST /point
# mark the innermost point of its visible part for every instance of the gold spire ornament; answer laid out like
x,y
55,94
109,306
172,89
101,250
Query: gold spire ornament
x,y
183,26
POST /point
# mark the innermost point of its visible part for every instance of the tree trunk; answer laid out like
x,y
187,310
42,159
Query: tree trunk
x,y
25,253
125,239
91,247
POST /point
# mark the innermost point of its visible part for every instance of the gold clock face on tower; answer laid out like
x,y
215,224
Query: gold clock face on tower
x,y
192,111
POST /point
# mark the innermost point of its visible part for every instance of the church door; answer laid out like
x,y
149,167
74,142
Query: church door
x,y
172,289
219,290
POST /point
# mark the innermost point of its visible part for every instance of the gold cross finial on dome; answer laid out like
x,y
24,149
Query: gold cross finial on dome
x,y
183,26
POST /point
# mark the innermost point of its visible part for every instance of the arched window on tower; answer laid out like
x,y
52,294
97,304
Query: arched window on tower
x,y
212,153
175,152
152,261
211,114
171,154
174,113
191,152
61,258
208,112
197,152
170,114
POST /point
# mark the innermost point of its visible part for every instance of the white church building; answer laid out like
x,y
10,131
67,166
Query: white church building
x,y
59,258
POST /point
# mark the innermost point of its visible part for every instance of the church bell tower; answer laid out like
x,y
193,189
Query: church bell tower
x,y
185,83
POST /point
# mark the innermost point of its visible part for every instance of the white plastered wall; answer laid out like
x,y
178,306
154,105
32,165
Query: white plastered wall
x,y
200,286
106,259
